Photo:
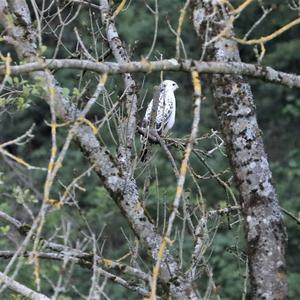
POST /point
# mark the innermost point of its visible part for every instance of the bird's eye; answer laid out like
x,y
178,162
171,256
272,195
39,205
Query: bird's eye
x,y
173,84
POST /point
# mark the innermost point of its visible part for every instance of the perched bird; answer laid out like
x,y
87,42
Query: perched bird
x,y
165,117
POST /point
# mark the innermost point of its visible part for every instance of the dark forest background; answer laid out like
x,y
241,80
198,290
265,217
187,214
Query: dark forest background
x,y
278,116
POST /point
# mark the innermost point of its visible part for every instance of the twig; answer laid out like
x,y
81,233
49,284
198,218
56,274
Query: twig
x,y
156,18
87,263
290,215
119,9
267,38
179,27
21,289
170,157
86,52
241,7
7,69
179,190
20,141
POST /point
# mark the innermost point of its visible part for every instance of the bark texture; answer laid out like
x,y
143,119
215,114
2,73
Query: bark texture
x,y
186,65
114,172
236,111
22,289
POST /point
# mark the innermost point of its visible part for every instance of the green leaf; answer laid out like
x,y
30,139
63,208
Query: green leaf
x,y
66,92
4,229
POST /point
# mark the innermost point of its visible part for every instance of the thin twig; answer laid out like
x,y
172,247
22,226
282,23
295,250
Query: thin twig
x,y
180,184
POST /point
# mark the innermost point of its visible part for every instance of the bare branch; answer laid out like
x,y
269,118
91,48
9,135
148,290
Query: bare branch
x,y
67,251
61,256
180,184
21,289
212,67
235,108
121,56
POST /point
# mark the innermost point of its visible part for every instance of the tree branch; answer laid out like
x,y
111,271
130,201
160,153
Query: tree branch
x,y
118,182
21,289
265,73
81,261
128,126
234,104
67,251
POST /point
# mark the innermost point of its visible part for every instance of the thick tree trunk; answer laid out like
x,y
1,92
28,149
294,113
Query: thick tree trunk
x,y
235,108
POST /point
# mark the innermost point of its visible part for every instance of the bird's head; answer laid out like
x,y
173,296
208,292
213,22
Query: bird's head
x,y
169,85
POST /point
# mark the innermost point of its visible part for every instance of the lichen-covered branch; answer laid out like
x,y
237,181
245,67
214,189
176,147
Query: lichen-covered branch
x,y
67,251
235,107
61,257
265,73
21,289
114,173
127,126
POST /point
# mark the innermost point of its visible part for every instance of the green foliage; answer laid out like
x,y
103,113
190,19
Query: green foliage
x,y
23,196
278,112
4,229
20,93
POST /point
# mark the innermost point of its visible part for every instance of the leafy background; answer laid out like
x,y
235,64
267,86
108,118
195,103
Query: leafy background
x,y
278,111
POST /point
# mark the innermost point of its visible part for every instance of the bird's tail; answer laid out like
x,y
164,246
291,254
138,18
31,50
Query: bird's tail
x,y
144,152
